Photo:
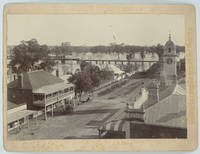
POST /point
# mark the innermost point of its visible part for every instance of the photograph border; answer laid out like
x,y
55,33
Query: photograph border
x,y
190,143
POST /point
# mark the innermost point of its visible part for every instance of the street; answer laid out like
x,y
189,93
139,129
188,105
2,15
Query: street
x,y
83,123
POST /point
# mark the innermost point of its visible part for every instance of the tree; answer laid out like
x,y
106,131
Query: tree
x,y
89,77
83,65
128,68
27,54
92,71
159,49
82,83
47,65
106,74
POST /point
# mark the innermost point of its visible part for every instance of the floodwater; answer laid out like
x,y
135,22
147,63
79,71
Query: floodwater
x,y
70,66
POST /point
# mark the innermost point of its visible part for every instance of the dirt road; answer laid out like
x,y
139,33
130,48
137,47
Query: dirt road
x,y
87,118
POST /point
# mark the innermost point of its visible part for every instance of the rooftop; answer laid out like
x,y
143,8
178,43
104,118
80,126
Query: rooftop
x,y
12,105
115,69
35,80
50,89
19,115
171,109
169,112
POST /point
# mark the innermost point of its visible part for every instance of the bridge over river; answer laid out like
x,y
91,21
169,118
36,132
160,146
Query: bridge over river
x,y
144,64
102,61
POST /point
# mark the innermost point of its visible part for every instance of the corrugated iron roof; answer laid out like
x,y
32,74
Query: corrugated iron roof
x,y
117,126
170,110
12,105
19,115
50,89
35,80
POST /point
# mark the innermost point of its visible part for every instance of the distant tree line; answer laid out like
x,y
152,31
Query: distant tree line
x,y
28,53
118,48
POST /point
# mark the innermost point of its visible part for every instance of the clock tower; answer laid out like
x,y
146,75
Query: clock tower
x,y
169,72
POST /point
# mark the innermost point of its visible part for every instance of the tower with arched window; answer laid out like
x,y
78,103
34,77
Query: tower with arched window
x,y
169,71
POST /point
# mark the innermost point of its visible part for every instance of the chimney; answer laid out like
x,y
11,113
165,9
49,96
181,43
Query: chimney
x,y
135,114
57,73
20,81
153,97
133,117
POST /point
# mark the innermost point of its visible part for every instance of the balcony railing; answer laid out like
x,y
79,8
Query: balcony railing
x,y
40,103
59,97
53,99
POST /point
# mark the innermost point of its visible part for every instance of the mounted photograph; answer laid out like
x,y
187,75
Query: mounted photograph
x,y
96,76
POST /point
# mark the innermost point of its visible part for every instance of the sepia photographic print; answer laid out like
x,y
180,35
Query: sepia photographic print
x,y
99,76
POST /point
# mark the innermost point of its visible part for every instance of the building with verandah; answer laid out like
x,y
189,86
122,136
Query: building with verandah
x,y
40,90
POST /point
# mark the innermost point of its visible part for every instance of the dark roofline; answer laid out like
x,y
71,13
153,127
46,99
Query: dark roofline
x,y
160,125
35,79
14,105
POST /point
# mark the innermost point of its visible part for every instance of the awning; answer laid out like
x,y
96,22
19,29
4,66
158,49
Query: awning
x,y
179,90
116,126
19,115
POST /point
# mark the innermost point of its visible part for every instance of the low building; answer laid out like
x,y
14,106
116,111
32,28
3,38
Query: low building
x,y
18,115
66,44
40,90
118,73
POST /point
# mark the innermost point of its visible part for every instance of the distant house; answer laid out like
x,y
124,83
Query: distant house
x,y
118,73
66,44
40,90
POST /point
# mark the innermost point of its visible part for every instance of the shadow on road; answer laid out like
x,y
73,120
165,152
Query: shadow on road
x,y
94,111
82,137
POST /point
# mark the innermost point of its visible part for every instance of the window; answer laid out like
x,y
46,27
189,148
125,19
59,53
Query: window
x,y
38,97
41,97
21,121
66,90
35,97
49,95
60,92
10,125
71,89
30,116
169,50
55,93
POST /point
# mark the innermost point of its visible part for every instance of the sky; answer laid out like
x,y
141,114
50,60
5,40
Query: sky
x,y
91,30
